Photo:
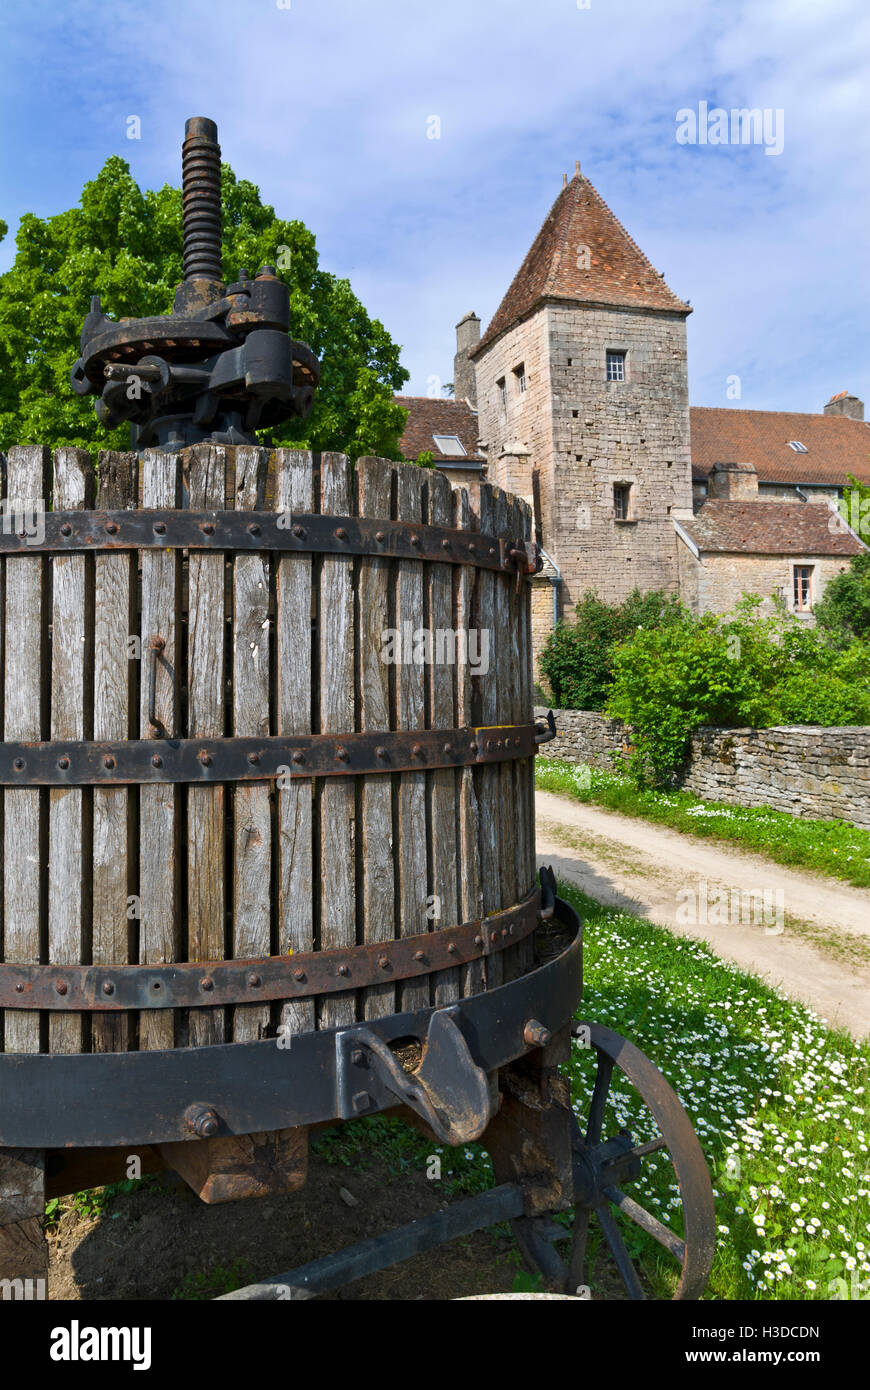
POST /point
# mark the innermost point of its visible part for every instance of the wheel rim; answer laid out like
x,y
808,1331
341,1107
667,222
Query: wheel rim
x,y
601,1166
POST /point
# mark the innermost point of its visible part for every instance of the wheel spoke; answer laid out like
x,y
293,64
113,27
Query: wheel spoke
x,y
577,1257
620,1254
599,1098
647,1222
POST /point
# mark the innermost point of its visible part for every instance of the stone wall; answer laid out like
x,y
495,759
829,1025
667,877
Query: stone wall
x,y
806,770
714,583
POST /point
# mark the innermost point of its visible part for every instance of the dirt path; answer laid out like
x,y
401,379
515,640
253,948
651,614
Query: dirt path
x,y
818,951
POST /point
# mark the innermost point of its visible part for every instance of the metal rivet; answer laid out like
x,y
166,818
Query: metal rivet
x,y
415,540
452,948
419,955
298,974
205,759
61,986
478,941
493,936
112,528
445,544
504,933
19,989
254,529
63,762
66,529
299,532
380,537
155,984
340,533
297,758
343,970
448,749
490,744
383,962
160,527
157,761
417,750
19,764
472,548
108,987
254,981
253,757
492,550
208,528
381,752
108,762
206,984
342,754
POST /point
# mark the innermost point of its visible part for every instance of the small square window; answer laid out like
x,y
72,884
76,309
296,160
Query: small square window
x,y
622,501
520,377
616,366
449,444
802,580
501,387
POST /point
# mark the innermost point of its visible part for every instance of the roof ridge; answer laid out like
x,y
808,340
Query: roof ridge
x,y
631,239
560,233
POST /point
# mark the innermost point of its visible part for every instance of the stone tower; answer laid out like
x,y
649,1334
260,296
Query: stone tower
x,y
582,375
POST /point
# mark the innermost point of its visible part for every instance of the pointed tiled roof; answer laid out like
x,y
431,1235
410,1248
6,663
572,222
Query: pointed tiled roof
x,y
618,271
835,445
769,528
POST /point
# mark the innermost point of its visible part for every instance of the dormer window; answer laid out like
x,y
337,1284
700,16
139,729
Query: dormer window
x,y
797,446
520,377
616,366
449,444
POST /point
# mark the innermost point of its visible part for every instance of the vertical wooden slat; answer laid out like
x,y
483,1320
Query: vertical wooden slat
x,y
294,492
337,794
410,711
441,790
158,802
374,489
73,477
27,473
112,665
252,820
206,465
470,896
525,768
486,707
508,657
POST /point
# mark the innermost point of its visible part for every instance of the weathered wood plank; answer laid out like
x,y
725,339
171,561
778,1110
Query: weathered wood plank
x,y
114,599
159,933
206,473
294,492
485,704
525,768
23,1247
73,480
374,490
252,817
410,711
470,896
441,789
239,1167
507,625
337,811
23,857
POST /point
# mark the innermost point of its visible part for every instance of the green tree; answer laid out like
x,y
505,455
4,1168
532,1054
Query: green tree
x,y
844,611
125,245
578,657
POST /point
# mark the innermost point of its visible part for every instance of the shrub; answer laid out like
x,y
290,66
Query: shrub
x,y
578,657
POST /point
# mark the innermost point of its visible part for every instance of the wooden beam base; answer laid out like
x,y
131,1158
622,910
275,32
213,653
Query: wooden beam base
x,y
236,1167
23,1247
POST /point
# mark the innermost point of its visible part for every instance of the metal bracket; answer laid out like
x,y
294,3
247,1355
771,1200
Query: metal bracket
x,y
544,732
448,1089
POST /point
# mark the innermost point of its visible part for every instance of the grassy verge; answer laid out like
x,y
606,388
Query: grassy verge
x,y
827,846
778,1102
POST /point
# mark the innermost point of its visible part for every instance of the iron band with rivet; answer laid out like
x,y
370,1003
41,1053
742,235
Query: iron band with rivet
x,y
284,532
113,988
70,762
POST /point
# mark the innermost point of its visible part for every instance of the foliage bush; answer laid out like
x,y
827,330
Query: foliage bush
x,y
736,670
578,657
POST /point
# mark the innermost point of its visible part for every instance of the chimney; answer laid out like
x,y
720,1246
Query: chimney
x,y
467,337
734,482
845,404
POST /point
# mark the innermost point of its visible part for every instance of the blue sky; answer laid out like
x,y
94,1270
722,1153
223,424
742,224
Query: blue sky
x,y
326,104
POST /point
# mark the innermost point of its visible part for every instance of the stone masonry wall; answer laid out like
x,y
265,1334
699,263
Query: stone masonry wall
x,y
716,582
806,770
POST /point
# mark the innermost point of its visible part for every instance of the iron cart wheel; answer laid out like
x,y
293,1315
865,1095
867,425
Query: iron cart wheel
x,y
603,1164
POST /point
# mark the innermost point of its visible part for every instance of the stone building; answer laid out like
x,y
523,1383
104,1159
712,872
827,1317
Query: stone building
x,y
578,394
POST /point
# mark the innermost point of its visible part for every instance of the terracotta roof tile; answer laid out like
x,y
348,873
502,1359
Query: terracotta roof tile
x,y
428,416
618,273
836,445
769,528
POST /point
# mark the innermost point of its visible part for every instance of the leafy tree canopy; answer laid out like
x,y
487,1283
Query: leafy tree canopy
x,y
125,245
845,609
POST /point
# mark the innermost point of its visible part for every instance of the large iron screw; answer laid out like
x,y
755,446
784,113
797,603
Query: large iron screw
x,y
535,1034
203,1120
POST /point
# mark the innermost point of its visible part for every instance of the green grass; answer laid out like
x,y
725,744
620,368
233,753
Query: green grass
x,y
826,846
777,1099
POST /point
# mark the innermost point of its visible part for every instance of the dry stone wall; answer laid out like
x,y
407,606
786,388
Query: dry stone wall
x,y
806,770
